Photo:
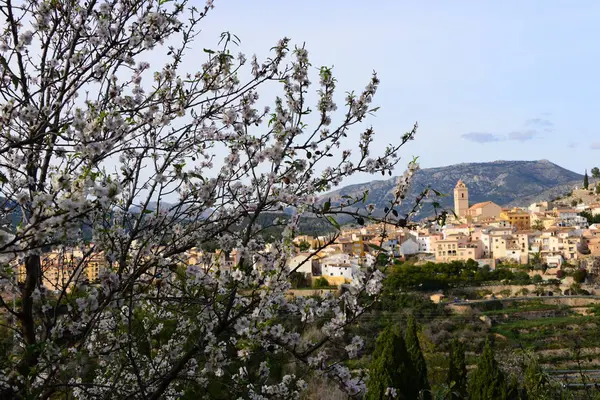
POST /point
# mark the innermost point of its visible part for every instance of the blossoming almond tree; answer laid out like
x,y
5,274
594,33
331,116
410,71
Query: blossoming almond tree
x,y
94,140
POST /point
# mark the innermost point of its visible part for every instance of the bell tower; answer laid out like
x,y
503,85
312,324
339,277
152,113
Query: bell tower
x,y
461,199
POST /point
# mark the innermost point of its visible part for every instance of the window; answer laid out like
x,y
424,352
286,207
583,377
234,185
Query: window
x,y
462,195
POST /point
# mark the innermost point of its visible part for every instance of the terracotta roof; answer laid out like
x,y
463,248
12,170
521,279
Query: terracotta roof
x,y
480,205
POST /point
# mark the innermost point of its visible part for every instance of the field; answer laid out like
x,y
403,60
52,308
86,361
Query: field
x,y
564,338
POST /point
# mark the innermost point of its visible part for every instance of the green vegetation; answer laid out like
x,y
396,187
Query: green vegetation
x,y
586,180
457,369
439,276
300,280
320,283
488,381
592,219
530,337
419,374
303,246
580,275
523,307
391,367
538,225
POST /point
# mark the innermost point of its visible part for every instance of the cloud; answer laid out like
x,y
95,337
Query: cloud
x,y
522,136
486,137
481,137
572,145
595,146
540,123
535,126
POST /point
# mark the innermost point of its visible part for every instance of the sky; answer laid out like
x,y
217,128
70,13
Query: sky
x,y
485,80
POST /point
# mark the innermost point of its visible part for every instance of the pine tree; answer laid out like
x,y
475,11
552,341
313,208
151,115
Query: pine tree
x,y
419,381
457,370
390,367
487,381
586,180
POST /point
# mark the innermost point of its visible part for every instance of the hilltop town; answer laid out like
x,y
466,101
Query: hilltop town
x,y
541,234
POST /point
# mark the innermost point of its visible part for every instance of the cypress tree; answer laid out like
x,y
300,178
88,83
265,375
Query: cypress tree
x,y
390,367
419,381
586,180
457,370
487,381
536,383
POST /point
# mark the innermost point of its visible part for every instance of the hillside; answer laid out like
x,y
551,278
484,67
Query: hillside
x,y
503,182
566,194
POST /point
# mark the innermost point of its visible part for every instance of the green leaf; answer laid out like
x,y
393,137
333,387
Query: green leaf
x,y
360,220
365,195
3,178
209,51
438,193
147,211
327,206
395,213
333,222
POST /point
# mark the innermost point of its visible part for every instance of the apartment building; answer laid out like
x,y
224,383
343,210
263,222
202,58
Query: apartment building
x,y
517,217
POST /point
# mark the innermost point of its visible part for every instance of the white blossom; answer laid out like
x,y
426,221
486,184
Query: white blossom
x,y
144,187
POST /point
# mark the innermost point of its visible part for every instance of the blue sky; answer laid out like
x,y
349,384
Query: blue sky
x,y
486,80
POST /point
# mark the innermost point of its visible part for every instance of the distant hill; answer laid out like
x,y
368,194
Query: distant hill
x,y
503,182
565,193
547,195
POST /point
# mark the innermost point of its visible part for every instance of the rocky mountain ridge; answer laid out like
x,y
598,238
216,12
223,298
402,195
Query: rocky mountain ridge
x,y
507,183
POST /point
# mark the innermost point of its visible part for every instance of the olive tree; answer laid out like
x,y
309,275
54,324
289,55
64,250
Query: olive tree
x,y
133,166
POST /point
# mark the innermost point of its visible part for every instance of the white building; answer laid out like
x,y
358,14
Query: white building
x,y
304,265
554,261
339,264
538,207
569,220
409,247
423,240
566,217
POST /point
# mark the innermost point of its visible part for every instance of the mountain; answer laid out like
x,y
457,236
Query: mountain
x,y
503,182
547,195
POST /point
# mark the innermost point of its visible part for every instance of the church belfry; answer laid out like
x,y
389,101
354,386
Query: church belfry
x,y
461,199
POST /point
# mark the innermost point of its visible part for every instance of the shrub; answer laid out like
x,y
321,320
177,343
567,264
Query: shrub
x,y
321,283
299,280
580,275
521,277
525,291
560,274
537,279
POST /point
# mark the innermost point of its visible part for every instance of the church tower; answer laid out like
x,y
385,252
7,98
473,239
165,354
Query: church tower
x,y
461,199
